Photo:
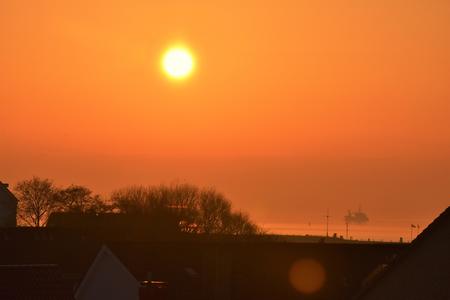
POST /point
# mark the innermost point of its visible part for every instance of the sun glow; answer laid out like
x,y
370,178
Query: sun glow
x,y
178,62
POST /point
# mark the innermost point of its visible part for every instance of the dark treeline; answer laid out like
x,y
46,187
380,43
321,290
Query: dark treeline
x,y
192,209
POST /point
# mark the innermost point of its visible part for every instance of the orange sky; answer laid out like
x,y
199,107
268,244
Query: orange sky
x,y
295,106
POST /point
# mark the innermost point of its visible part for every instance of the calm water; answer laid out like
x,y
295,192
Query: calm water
x,y
391,231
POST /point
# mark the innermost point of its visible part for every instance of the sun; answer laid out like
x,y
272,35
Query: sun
x,y
178,62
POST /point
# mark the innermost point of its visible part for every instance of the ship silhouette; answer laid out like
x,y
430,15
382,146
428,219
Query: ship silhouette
x,y
357,217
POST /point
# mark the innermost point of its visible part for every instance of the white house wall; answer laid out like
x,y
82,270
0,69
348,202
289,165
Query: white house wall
x,y
108,278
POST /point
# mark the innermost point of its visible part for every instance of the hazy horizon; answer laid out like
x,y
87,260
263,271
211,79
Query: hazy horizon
x,y
265,189
295,107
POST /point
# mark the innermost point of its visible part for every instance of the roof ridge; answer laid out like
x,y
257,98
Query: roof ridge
x,y
443,216
4,187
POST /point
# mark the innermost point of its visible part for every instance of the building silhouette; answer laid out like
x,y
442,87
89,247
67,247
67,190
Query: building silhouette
x,y
422,272
8,207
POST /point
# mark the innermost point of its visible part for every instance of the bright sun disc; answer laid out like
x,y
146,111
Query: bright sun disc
x,y
178,63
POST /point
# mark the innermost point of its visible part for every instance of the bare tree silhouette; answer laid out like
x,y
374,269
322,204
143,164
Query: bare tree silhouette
x,y
79,199
36,201
196,210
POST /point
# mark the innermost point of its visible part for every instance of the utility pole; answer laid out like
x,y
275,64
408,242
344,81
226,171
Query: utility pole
x,y
328,217
346,230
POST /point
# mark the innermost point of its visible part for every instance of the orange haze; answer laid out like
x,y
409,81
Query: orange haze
x,y
295,107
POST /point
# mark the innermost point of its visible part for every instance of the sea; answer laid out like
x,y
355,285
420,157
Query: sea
x,y
398,231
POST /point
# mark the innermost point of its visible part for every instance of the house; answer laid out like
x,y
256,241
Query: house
x,y
193,267
227,270
422,272
108,278
8,207
116,225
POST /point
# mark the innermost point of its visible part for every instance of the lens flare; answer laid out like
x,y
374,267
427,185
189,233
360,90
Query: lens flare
x,y
307,276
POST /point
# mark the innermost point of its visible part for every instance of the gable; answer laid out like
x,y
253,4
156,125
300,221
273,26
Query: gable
x,y
6,197
107,278
422,272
